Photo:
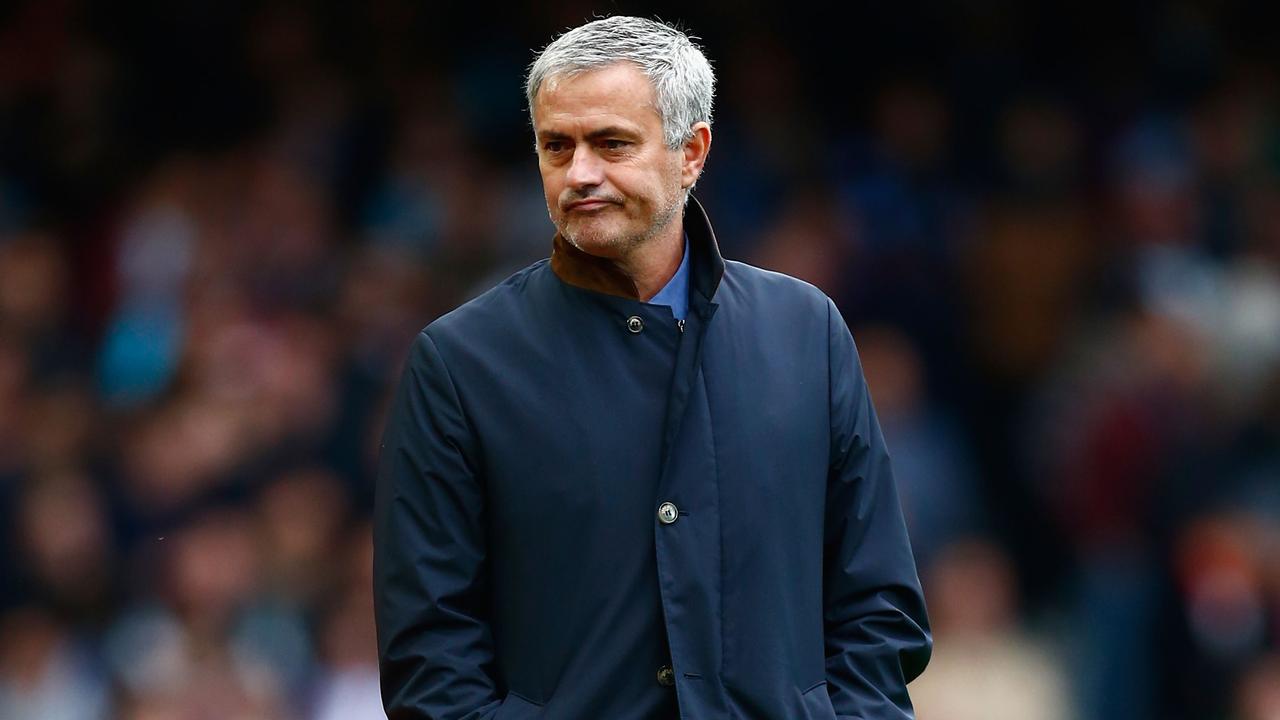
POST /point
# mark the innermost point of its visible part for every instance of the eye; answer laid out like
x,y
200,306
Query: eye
x,y
553,146
615,144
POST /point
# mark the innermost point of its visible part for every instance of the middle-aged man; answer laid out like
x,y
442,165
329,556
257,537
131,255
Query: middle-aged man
x,y
639,481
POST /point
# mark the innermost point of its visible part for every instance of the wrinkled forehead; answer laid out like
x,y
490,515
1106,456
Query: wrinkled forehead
x,y
620,87
586,103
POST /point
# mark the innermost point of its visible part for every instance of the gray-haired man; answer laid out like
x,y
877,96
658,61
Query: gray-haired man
x,y
639,481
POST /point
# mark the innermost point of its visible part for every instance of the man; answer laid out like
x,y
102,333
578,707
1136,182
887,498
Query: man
x,y
638,481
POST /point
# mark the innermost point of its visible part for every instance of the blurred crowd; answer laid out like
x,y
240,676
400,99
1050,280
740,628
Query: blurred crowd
x,y
1056,238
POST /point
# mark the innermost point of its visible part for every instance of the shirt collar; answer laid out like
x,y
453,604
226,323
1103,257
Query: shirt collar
x,y
675,294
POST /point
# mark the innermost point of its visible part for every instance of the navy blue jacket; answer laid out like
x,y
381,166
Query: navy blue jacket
x,y
586,511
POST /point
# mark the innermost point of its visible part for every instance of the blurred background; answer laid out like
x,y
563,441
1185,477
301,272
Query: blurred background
x,y
1055,233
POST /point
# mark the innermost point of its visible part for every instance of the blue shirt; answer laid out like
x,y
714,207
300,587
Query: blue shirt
x,y
675,294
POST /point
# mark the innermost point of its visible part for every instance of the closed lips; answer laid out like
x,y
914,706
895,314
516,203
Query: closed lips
x,y
588,204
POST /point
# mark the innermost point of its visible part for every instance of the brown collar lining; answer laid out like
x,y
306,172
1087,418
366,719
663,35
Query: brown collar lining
x,y
587,271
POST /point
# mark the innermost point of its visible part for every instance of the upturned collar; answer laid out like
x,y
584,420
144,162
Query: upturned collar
x,y
581,269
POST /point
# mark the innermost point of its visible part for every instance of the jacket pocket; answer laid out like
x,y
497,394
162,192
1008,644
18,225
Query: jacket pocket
x,y
515,707
816,703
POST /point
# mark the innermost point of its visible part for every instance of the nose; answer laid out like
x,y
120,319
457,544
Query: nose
x,y
585,169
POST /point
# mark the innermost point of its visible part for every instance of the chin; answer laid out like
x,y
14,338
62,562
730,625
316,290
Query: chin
x,y
593,245
601,241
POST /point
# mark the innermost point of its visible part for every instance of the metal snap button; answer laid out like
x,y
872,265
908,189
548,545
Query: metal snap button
x,y
635,324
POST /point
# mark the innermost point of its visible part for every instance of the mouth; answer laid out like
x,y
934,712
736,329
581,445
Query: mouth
x,y
587,205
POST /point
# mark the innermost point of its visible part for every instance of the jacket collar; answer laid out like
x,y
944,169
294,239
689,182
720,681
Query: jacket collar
x,y
589,272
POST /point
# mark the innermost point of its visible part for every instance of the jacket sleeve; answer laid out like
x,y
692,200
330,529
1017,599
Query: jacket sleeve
x,y
876,630
435,646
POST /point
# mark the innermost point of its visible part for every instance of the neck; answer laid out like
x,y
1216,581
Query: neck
x,y
652,264
638,275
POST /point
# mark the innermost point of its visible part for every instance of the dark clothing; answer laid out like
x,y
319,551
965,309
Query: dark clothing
x,y
527,564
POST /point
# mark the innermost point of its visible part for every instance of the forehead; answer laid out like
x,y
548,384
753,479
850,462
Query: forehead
x,y
619,92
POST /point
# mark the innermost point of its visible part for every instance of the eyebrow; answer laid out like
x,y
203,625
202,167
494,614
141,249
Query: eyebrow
x,y
609,131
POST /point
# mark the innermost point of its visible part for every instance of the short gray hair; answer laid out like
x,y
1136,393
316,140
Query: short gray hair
x,y
683,81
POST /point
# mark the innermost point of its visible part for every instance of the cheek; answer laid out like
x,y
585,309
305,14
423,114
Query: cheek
x,y
551,188
640,188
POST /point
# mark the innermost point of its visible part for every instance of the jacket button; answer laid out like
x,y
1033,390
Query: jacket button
x,y
635,324
667,513
666,676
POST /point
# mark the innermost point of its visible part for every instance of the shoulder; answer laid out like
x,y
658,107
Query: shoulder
x,y
756,287
499,308
792,317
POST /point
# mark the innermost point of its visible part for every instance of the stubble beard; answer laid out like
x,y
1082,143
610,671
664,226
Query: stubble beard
x,y
620,246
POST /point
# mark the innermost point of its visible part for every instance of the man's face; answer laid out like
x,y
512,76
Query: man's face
x,y
609,179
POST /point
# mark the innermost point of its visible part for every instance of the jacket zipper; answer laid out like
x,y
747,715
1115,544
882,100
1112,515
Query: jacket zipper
x,y
680,324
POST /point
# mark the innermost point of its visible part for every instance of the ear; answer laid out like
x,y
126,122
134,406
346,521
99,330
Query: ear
x,y
695,152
